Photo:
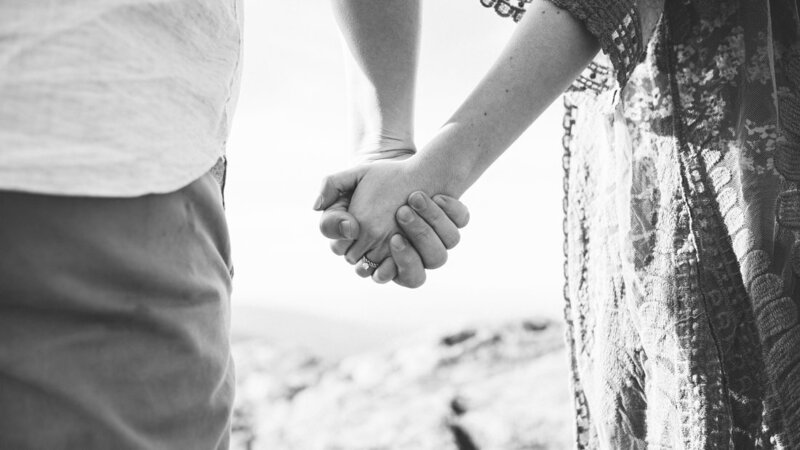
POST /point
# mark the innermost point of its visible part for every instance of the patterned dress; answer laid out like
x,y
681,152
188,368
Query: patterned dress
x,y
682,225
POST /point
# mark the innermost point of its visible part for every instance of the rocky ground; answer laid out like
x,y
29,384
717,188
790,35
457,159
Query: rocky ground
x,y
488,386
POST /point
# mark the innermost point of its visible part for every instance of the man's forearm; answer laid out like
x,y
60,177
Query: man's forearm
x,y
546,53
383,39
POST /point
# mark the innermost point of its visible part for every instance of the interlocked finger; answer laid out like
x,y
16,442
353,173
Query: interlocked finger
x,y
386,272
366,265
422,237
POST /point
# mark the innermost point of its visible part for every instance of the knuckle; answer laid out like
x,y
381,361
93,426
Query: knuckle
x,y
325,186
433,215
328,182
419,233
369,233
404,262
329,224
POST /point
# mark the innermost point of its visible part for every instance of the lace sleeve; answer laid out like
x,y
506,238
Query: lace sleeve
x,y
508,8
623,28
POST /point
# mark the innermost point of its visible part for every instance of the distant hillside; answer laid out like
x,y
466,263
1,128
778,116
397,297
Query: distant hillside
x,y
322,336
489,386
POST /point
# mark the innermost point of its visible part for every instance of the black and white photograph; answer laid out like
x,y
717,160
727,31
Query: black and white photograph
x,y
399,224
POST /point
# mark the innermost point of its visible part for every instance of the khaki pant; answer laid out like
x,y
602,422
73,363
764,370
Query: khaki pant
x,y
114,321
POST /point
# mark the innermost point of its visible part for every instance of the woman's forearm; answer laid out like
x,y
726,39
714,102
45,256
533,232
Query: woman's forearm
x,y
383,40
546,53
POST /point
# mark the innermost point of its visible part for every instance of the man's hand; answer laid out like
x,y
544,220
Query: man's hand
x,y
431,225
382,188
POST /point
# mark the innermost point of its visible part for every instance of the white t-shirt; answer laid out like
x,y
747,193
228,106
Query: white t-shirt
x,y
115,97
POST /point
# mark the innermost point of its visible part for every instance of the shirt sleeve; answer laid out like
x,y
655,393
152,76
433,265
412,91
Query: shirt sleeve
x,y
623,28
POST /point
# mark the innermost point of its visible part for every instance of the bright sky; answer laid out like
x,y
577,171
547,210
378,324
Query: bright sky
x,y
289,133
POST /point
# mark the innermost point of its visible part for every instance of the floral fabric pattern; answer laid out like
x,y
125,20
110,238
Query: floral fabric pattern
x,y
682,225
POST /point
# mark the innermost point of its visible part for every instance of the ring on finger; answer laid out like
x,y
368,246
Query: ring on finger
x,y
368,264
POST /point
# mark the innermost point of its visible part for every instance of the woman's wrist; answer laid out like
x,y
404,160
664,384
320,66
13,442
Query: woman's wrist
x,y
442,171
453,158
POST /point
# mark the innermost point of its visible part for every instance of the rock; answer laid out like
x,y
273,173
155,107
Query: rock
x,y
488,386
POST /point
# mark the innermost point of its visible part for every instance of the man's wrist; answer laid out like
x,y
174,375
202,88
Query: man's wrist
x,y
384,145
383,154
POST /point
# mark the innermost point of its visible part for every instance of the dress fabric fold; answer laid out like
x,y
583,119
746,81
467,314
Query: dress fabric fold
x,y
682,225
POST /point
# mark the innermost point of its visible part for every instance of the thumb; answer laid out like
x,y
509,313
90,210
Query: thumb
x,y
337,223
333,186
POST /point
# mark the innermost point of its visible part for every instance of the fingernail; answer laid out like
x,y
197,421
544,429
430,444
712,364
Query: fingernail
x,y
405,214
319,202
398,242
417,201
345,228
440,200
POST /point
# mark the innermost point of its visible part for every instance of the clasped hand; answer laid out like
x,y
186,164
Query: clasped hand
x,y
382,211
